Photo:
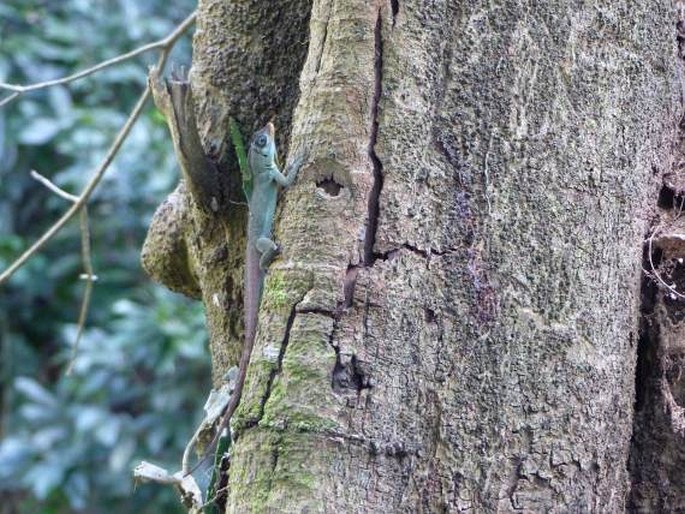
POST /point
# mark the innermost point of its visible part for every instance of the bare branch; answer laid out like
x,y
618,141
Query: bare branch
x,y
8,99
90,279
53,187
109,157
85,195
164,44
89,276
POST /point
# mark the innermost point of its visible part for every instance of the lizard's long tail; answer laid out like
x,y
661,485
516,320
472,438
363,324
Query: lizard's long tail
x,y
254,281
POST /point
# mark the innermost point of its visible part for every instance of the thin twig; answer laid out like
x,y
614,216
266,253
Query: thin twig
x,y
53,187
214,498
164,43
90,278
89,275
655,273
109,157
8,99
83,197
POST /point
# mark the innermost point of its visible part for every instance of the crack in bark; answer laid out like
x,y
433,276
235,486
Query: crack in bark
x,y
319,310
279,363
349,283
395,7
323,42
274,458
374,195
426,253
647,337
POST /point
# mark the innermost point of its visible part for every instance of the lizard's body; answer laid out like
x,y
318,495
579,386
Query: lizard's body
x,y
265,179
262,192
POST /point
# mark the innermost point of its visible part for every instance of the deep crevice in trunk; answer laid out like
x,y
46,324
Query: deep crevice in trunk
x,y
656,454
374,195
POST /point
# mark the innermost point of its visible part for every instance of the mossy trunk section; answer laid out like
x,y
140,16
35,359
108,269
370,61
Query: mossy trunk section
x,y
453,322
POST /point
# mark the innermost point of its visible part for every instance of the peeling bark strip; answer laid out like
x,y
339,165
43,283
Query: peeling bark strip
x,y
187,244
174,99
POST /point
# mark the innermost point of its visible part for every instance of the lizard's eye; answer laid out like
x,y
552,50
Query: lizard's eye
x,y
261,141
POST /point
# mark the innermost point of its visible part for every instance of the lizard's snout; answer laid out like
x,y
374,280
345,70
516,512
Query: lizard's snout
x,y
270,129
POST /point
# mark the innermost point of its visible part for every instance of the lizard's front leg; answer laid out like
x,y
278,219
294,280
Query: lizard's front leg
x,y
268,250
287,179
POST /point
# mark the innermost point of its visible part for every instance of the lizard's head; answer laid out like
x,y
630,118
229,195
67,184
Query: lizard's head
x,y
263,146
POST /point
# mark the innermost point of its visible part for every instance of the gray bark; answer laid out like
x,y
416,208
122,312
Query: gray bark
x,y
454,321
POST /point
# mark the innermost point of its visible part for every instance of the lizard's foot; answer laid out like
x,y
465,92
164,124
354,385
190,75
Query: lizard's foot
x,y
267,259
269,251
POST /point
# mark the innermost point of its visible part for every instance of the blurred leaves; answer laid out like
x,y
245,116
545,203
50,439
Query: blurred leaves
x,y
120,405
68,444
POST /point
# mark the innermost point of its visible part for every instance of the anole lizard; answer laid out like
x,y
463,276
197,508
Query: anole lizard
x,y
261,179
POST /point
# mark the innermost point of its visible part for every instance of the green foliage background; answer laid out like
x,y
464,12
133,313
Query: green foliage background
x,y
68,444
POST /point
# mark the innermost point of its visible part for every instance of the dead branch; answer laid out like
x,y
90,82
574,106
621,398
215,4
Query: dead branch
x,y
166,45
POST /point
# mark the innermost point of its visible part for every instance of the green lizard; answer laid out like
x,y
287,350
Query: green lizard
x,y
261,250
261,180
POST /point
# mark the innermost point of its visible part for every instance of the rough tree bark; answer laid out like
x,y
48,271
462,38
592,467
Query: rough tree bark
x,y
454,321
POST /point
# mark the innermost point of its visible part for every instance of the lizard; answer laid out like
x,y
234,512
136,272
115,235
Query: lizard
x,y
261,181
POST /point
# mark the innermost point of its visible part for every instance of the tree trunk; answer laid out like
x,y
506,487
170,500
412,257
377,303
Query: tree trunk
x,y
453,323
